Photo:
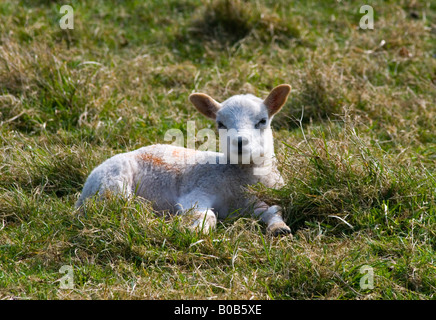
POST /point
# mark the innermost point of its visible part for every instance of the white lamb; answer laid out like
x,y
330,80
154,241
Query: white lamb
x,y
203,183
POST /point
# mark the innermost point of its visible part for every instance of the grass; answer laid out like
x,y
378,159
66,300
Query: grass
x,y
356,143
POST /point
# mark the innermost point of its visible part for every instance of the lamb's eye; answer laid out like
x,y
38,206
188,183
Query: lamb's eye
x,y
261,123
221,125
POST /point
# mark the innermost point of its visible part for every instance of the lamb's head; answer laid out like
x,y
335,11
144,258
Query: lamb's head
x,y
244,122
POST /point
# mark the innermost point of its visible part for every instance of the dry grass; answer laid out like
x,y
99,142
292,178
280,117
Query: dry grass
x,y
356,142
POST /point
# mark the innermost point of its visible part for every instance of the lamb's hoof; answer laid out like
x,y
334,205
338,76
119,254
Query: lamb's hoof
x,y
199,228
279,229
203,222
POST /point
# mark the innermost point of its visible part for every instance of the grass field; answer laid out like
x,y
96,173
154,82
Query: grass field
x,y
356,143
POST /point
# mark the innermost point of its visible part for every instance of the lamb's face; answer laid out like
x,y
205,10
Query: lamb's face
x,y
244,129
244,122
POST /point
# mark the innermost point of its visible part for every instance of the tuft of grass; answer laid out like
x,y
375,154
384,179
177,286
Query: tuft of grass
x,y
356,144
234,20
319,97
353,185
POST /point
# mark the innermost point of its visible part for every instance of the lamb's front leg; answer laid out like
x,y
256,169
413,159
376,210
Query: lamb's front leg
x,y
204,220
199,208
272,217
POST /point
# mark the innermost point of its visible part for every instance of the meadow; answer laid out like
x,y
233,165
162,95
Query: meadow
x,y
356,143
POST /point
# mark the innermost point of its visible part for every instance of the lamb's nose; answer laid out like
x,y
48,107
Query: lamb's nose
x,y
239,143
242,141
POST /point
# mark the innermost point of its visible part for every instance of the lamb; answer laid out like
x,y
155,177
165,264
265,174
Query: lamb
x,y
205,184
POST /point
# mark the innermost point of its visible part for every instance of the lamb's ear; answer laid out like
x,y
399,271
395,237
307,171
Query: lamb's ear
x,y
205,104
277,98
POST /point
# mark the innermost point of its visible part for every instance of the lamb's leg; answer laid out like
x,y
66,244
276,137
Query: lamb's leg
x,y
271,216
94,185
204,219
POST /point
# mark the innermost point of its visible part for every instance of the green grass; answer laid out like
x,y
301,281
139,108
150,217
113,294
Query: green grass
x,y
356,143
